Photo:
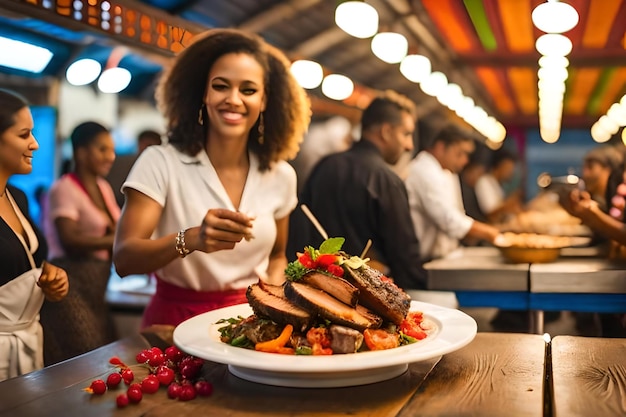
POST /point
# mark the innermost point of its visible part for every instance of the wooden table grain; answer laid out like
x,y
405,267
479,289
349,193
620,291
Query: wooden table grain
x,y
496,374
588,376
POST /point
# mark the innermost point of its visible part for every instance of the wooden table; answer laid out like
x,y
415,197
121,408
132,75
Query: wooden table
x,y
588,376
495,375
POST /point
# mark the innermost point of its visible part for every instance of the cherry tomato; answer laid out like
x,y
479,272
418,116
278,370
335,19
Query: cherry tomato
x,y
410,326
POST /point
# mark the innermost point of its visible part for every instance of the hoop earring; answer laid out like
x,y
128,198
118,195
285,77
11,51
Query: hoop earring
x,y
261,130
201,115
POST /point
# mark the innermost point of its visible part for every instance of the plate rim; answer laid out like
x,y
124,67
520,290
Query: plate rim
x,y
446,339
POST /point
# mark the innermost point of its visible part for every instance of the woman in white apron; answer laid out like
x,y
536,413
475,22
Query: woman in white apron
x,y
25,279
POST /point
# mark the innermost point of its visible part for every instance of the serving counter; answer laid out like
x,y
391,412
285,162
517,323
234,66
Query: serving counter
x,y
579,280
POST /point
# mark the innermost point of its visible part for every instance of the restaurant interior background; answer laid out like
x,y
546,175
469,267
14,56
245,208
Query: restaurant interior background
x,y
476,65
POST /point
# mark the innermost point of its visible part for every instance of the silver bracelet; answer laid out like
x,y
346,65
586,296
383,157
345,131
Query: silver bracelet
x,y
180,244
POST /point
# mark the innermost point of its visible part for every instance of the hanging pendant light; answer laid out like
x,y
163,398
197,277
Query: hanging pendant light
x,y
390,47
337,86
553,44
554,17
309,74
83,72
357,19
415,68
114,80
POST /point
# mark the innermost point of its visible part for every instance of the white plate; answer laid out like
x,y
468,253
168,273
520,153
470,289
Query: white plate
x,y
199,336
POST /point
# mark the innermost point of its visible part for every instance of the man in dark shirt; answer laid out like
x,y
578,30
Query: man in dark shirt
x,y
355,195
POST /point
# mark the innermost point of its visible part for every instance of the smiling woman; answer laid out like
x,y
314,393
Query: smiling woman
x,y
235,114
25,278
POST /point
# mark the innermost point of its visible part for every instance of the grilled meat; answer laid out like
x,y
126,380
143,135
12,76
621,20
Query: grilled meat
x,y
339,288
378,294
279,309
320,303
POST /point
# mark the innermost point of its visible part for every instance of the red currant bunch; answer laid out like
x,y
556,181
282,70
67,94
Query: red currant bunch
x,y
170,368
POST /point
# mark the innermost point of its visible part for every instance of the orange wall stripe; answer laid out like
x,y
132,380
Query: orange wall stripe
x,y
496,89
576,34
452,20
615,88
523,81
599,22
517,24
581,84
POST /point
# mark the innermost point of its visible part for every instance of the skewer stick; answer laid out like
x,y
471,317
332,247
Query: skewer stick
x,y
368,245
317,224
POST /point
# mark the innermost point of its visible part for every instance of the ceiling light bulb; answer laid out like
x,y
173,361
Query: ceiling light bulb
x,y
599,134
549,135
434,83
23,56
450,96
548,61
608,124
390,47
337,86
552,74
309,74
83,71
624,136
554,17
357,18
415,68
617,113
114,80
499,133
553,44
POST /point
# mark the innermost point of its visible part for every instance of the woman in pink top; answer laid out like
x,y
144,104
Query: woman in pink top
x,y
82,211
79,223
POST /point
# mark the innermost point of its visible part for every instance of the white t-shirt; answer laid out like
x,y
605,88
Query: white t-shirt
x,y
187,187
489,193
436,205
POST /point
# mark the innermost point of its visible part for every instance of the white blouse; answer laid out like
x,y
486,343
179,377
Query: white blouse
x,y
187,187
436,205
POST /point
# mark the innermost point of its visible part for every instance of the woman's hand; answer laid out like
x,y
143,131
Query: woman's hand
x,y
53,282
577,203
222,229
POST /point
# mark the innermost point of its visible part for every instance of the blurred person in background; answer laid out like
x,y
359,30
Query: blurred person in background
x,y
468,176
82,211
123,163
598,164
80,219
323,138
356,195
437,210
209,211
492,198
611,224
25,278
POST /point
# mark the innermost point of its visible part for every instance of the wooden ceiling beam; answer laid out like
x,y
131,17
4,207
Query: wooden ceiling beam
x,y
615,57
316,45
274,15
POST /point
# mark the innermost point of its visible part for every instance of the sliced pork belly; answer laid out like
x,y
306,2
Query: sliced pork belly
x,y
339,288
276,308
319,302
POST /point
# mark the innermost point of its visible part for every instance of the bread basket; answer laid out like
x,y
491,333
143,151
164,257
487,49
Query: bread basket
x,y
518,254
531,247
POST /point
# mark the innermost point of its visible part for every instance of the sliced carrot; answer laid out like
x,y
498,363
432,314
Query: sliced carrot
x,y
275,345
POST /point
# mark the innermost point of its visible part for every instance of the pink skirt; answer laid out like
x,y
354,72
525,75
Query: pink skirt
x,y
172,304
